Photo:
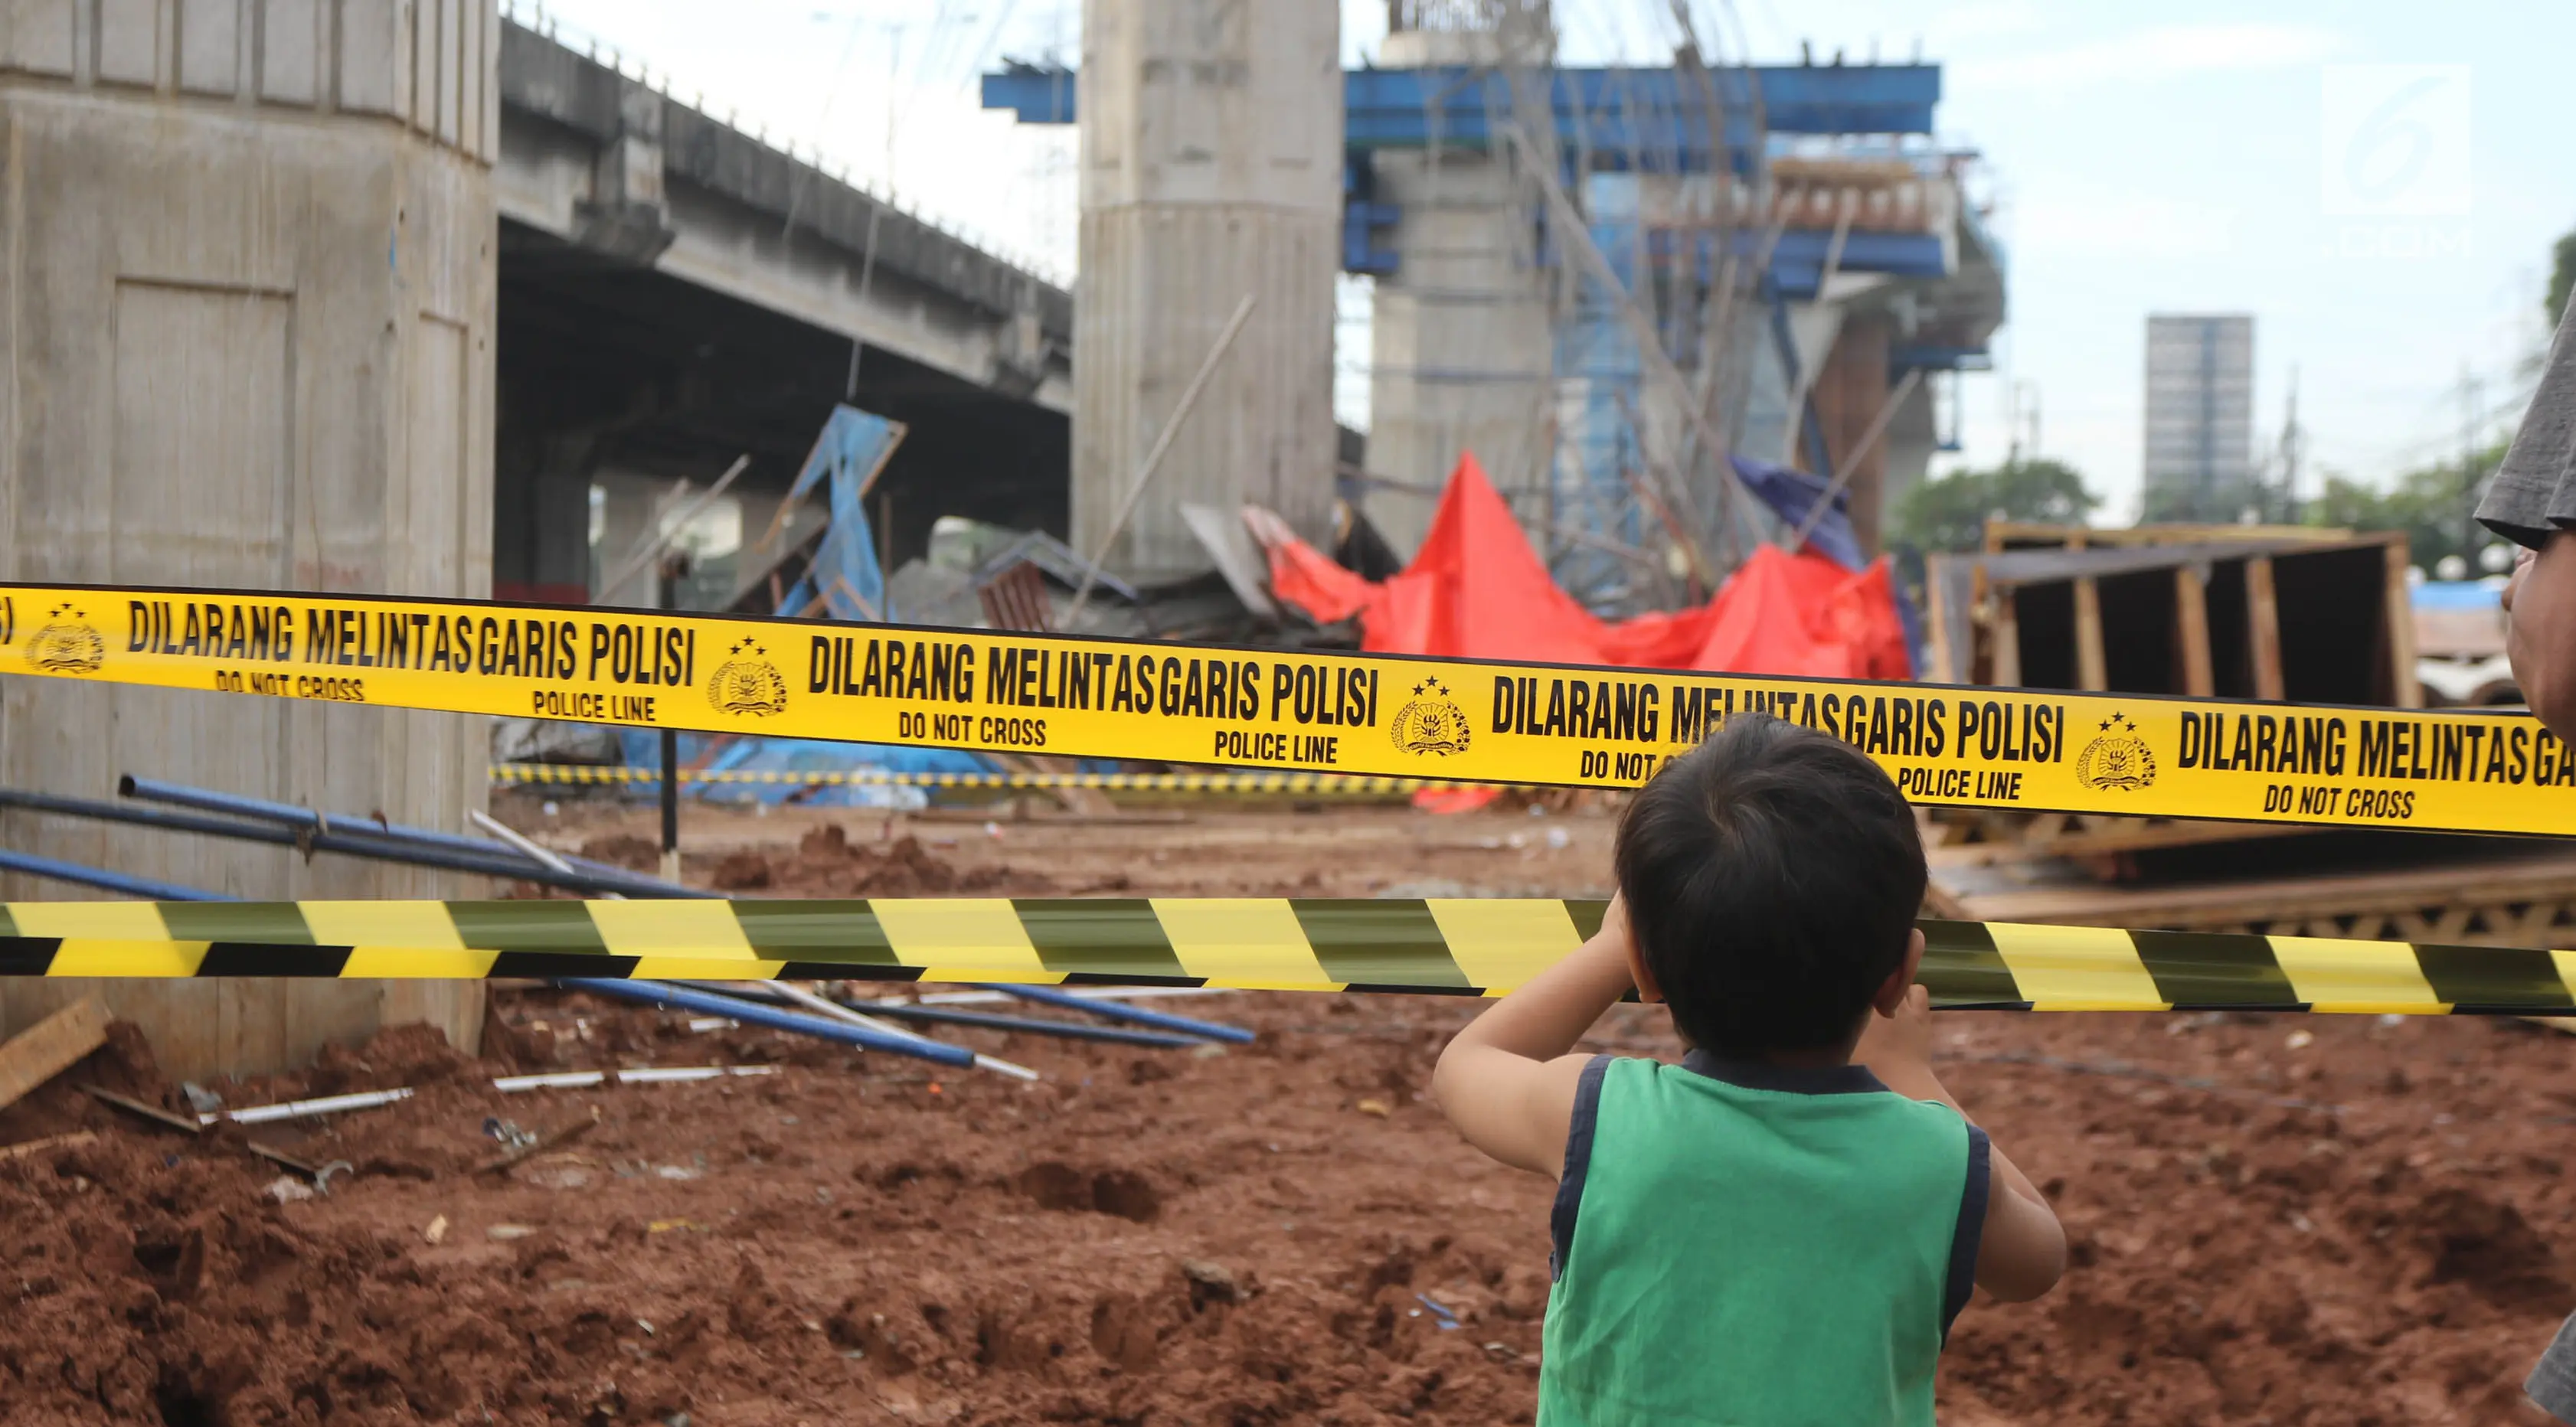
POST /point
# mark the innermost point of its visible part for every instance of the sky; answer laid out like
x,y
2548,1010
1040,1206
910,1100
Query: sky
x,y
2377,183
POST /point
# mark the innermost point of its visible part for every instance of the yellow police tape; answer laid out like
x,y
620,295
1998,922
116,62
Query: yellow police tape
x,y
513,774
1477,721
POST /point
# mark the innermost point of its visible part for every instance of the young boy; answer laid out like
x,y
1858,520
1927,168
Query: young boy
x,y
1778,1230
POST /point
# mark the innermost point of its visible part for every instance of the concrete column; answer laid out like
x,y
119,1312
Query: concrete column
x,y
1211,171
541,516
1848,395
248,296
1461,328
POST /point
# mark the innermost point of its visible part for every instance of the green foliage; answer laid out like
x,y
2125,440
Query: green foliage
x,y
1949,512
2562,277
2432,504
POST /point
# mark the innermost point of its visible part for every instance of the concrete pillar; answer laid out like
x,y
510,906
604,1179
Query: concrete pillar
x,y
249,291
1848,395
1461,328
1211,171
541,515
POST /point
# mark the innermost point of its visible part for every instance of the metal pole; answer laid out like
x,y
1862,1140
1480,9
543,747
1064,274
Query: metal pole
x,y
655,993
1066,1030
826,1006
153,790
1111,1010
1154,457
670,805
369,845
82,875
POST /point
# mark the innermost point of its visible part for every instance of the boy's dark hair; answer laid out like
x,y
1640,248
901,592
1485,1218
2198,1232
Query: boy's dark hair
x,y
1772,875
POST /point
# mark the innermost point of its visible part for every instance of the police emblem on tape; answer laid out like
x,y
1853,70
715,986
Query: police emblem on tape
x,y
1429,722
67,646
748,685
2117,761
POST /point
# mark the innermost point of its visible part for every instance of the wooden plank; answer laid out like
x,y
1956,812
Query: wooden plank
x,y
2191,629
2002,533
1936,621
2263,628
2406,691
50,1047
2092,668
2007,670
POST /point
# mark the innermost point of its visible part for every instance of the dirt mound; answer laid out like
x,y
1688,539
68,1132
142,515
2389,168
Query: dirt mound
x,y
827,864
624,849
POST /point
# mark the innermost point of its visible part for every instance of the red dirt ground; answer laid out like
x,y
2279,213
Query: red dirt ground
x,y
2276,1220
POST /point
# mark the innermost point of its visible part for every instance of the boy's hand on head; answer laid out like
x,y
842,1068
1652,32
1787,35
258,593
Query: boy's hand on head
x,y
1898,1047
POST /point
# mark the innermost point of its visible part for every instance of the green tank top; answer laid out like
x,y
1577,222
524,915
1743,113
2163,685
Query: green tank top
x,y
1747,1246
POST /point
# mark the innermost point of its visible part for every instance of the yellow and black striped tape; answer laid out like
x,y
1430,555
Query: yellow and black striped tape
x,y
1456,946
511,774
1480,721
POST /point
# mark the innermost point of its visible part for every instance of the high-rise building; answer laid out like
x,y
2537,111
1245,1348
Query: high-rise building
x,y
2200,418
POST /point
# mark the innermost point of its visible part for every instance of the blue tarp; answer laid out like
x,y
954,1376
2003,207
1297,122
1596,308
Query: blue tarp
x,y
845,572
2458,594
845,575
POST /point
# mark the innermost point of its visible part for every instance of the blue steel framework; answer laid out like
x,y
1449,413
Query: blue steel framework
x,y
1613,127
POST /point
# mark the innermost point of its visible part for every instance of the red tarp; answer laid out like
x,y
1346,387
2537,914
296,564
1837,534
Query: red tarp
x,y
1476,589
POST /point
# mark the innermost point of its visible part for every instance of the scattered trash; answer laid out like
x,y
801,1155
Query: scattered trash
x,y
1211,1282
1440,1312
25,1148
507,1132
436,1233
526,1144
1209,1051
1558,839
300,1109
1378,1108
647,1075
200,1099
506,1232
551,809
677,1172
2301,1040
320,1174
132,1106
665,1226
287,1189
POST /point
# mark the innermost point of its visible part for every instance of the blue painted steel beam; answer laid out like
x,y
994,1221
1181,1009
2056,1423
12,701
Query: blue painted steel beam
x,y
1657,115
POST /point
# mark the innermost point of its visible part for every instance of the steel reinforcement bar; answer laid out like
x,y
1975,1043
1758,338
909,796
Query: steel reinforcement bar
x,y
1461,946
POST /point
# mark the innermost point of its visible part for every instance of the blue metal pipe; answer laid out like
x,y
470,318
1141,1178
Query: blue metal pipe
x,y
1065,1030
83,875
656,993
493,861
1120,1011
153,790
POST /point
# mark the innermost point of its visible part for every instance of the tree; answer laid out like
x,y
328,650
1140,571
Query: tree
x,y
1949,512
2432,504
2562,278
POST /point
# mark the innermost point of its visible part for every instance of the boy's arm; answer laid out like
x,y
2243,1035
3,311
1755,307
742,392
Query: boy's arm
x,y
2022,1251
1506,1081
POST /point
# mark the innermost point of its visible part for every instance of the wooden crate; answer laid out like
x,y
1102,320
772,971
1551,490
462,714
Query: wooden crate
x,y
2229,611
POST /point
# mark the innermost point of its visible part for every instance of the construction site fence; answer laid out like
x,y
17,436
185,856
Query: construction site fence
x,y
1453,946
